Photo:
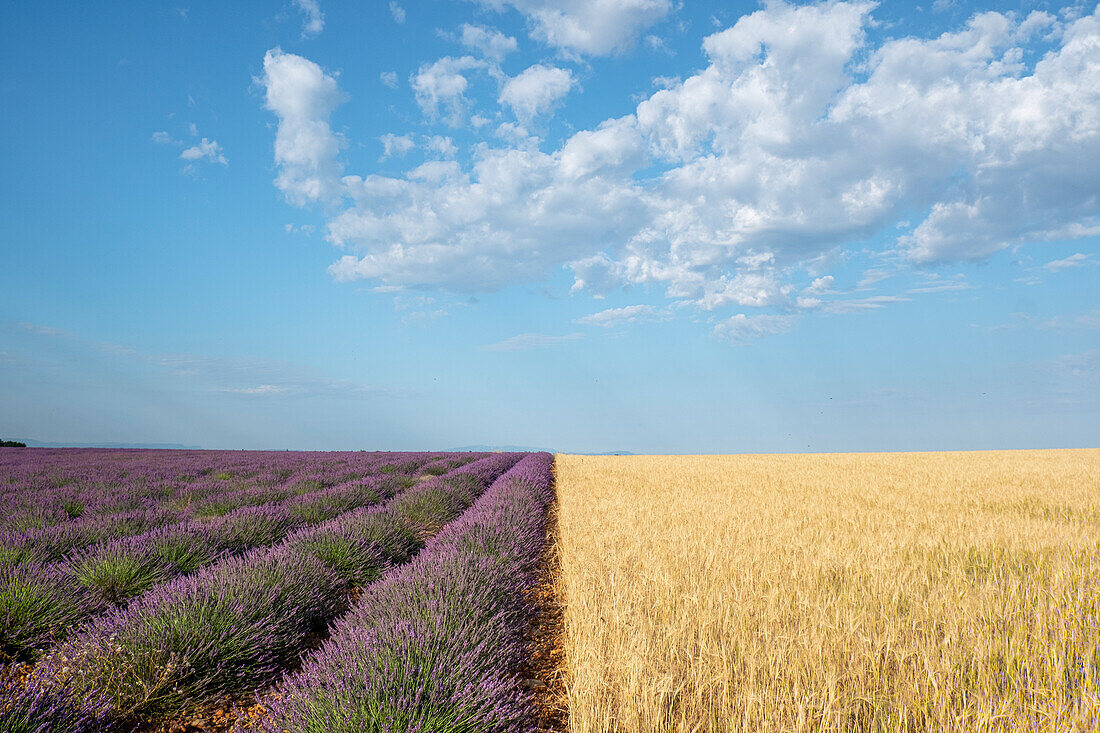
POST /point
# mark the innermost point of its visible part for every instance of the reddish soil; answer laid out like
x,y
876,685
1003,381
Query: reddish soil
x,y
545,673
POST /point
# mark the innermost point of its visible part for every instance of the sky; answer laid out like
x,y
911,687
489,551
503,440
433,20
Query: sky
x,y
656,226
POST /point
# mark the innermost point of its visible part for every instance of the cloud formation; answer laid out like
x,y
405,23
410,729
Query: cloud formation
x,y
313,20
205,150
303,97
488,42
527,341
588,27
728,188
624,316
1075,260
441,86
741,329
536,90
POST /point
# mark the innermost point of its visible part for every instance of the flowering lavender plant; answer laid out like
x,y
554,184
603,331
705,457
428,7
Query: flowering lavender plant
x,y
35,709
435,644
236,625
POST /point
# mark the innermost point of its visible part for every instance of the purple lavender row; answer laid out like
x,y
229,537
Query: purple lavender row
x,y
50,544
91,490
435,645
48,507
80,483
40,605
234,626
44,468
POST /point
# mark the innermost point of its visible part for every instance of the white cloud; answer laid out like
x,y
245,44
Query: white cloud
x,y
857,305
726,186
303,97
622,316
757,289
741,329
937,284
397,12
593,27
396,145
536,90
441,145
526,341
43,330
489,42
821,285
1082,320
873,276
419,309
1075,260
656,43
205,150
260,390
313,21
441,86
388,78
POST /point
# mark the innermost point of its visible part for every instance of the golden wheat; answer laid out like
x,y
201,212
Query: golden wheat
x,y
873,592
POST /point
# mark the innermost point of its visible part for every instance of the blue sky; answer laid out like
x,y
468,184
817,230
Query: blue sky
x,y
638,225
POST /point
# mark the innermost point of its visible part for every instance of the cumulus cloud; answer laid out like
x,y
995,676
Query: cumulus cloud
x,y
489,42
443,146
396,145
441,86
536,90
303,97
592,27
625,315
724,187
526,341
208,150
313,20
204,150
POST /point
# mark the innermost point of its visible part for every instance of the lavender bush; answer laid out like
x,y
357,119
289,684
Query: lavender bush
x,y
45,710
38,606
113,571
434,645
235,625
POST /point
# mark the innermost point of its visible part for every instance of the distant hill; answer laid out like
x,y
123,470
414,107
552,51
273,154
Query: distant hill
x,y
132,446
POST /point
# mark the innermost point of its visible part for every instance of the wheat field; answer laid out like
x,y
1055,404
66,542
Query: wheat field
x,y
842,592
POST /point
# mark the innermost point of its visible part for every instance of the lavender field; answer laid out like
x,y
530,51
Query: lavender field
x,y
223,590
